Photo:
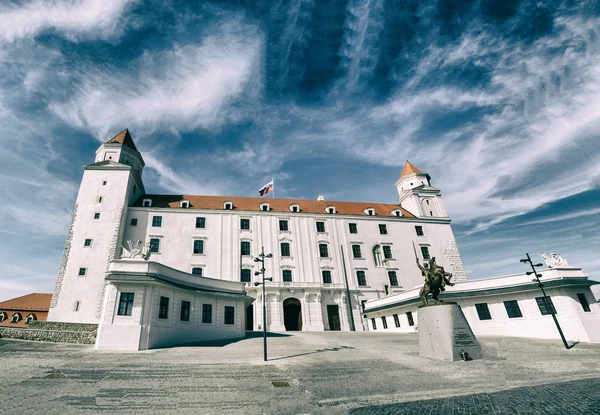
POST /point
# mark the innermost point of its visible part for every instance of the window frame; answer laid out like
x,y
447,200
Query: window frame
x,y
383,230
356,249
287,252
244,252
323,277
200,222
207,313
86,244
194,272
384,322
353,226
229,311
510,308
324,249
425,252
243,277
320,225
545,305
243,222
82,272
163,307
133,222
125,307
396,320
281,222
419,230
286,275
96,215
157,221
410,318
585,303
182,309
483,311
394,281
361,275
154,245
198,247
387,252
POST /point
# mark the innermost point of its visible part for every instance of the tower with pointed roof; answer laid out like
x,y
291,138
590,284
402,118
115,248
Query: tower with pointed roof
x,y
108,187
416,194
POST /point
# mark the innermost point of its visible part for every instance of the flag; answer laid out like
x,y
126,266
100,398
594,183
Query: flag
x,y
266,188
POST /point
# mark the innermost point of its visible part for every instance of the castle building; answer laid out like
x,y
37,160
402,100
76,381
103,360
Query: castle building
x,y
328,257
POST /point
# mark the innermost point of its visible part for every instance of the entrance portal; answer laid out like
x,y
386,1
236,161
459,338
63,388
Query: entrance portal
x,y
333,313
250,317
292,314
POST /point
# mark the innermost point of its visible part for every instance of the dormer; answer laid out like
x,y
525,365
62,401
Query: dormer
x,y
147,202
396,212
265,207
228,205
184,204
330,210
369,211
295,208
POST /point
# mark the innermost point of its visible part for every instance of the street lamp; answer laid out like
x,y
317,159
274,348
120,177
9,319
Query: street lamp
x,y
549,306
261,258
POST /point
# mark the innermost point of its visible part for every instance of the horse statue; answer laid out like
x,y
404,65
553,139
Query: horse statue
x,y
436,279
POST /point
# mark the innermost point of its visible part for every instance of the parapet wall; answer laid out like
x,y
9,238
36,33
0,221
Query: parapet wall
x,y
53,332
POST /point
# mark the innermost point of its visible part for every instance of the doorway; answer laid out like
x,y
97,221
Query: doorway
x,y
250,317
333,313
292,314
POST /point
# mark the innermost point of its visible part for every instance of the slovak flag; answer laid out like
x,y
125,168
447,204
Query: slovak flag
x,y
267,188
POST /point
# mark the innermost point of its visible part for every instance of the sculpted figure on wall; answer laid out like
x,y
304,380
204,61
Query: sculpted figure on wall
x,y
137,249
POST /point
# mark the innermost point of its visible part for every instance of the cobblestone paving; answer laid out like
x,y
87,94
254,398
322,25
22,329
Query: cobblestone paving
x,y
575,397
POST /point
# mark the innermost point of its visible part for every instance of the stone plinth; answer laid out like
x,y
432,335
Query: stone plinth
x,y
444,333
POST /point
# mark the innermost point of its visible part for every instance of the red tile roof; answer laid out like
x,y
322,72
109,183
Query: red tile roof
x,y
409,168
29,302
123,138
275,205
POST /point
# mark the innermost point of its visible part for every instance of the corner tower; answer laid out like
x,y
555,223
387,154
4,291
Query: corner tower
x,y
416,194
108,187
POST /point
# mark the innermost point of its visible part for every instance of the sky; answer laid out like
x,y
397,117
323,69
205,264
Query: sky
x,y
498,100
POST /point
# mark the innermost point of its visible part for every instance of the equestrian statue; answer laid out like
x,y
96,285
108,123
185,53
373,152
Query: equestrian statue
x,y
436,279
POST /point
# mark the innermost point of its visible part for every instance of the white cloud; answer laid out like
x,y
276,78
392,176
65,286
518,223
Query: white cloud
x,y
94,18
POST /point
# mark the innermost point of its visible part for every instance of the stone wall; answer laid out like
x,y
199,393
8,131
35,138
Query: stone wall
x,y
53,332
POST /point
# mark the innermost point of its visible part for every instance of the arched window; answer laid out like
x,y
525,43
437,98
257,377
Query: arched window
x,y
295,208
31,317
184,204
377,256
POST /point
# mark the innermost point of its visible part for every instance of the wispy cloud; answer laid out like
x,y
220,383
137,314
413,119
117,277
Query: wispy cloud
x,y
90,18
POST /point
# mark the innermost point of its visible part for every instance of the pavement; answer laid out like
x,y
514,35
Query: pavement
x,y
307,373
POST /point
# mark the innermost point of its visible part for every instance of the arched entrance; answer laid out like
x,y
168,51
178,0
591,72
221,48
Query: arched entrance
x,y
250,317
292,314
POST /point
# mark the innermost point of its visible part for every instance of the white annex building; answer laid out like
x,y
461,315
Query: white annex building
x,y
157,270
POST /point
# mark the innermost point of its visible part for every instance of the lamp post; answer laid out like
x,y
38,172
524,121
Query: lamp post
x,y
549,305
261,258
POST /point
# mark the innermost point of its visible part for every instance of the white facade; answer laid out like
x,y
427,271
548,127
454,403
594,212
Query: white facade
x,y
112,209
568,288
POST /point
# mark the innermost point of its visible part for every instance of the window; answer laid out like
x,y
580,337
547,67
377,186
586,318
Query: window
x,y
362,279
3,316
184,204
229,315
483,311
545,305
396,320
330,209
157,221
356,253
326,277
393,278
387,252
201,223
419,230
285,249
104,183
82,272
287,275
512,309
16,318
30,318
154,244
96,215
409,316
198,246
197,271
125,304
245,275
425,253
384,321
207,313
370,212
76,305
283,225
264,207
163,308
377,258
227,205
147,203
323,251
133,222
245,248
99,199
584,302
374,324
397,212
320,226
87,242
184,314
363,304
383,229
244,224
295,208
352,227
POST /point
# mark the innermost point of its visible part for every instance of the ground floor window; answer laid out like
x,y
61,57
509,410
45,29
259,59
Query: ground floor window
x,y
409,316
384,321
512,309
163,308
229,315
545,305
584,302
374,324
396,320
483,311
125,304
184,315
207,313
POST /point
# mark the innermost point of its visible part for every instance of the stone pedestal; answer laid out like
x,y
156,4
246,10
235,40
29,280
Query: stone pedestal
x,y
444,333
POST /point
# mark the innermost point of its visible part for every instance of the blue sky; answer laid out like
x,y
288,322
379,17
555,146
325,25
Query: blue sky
x,y
499,100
